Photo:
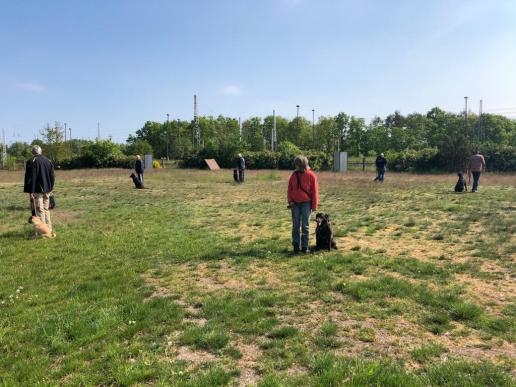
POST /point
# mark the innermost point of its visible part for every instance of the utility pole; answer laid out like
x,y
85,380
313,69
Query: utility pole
x,y
274,136
4,149
297,120
168,130
98,131
70,129
65,131
480,129
239,129
466,109
313,127
197,129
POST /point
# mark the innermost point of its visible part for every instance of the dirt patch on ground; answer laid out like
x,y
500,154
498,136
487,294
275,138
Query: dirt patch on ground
x,y
60,216
194,358
159,285
420,249
493,295
248,363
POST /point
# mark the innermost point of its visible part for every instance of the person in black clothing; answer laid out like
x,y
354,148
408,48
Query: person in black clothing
x,y
240,167
381,163
39,184
138,168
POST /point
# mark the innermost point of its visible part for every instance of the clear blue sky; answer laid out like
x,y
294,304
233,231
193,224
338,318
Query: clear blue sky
x,y
123,62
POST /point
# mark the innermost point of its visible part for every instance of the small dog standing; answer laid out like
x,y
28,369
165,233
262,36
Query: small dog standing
x,y
41,228
137,182
461,185
324,233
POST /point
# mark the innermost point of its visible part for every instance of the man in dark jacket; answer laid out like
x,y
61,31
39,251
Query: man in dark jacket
x,y
138,167
240,167
381,163
39,184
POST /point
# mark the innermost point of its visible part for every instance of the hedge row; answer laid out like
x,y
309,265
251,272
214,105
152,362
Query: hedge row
x,y
499,158
91,162
258,160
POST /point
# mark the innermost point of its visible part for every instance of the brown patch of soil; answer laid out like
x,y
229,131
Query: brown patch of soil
x,y
248,363
194,358
160,288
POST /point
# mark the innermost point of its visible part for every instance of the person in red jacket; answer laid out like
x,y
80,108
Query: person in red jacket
x,y
303,198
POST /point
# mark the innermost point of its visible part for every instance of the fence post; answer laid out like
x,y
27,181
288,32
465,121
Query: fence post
x,y
363,164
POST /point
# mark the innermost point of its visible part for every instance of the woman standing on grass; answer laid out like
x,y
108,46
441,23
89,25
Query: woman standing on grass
x,y
303,198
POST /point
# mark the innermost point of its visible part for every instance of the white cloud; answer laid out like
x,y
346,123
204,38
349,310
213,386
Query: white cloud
x,y
231,90
31,87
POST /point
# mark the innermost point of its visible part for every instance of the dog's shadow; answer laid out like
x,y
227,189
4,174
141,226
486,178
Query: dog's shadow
x,y
14,207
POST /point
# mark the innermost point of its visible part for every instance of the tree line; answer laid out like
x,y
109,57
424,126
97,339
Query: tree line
x,y
437,140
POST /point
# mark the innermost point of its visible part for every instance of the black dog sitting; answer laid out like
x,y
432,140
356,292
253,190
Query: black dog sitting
x,y
461,184
137,182
324,233
235,175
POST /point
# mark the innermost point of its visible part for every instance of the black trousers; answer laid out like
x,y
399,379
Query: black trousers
x,y
241,175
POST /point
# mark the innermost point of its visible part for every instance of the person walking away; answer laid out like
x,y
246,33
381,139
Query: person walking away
x,y
240,167
476,164
39,184
139,168
303,198
381,163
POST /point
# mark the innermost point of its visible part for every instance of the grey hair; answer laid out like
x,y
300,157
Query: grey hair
x,y
301,163
36,150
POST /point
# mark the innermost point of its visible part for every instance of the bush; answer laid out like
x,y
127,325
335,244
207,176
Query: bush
x,y
421,160
258,160
99,154
500,158
87,162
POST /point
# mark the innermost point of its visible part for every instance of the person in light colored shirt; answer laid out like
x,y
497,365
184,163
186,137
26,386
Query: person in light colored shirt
x,y
476,164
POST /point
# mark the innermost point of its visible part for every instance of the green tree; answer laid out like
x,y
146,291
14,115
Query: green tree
x,y
19,149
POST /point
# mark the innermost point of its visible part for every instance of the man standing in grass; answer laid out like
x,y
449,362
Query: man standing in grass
x,y
139,167
240,167
381,163
476,165
39,184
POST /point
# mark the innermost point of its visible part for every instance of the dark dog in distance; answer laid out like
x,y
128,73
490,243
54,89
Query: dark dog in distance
x,y
137,182
324,233
235,175
461,185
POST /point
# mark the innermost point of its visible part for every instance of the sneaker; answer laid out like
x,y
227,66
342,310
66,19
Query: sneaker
x,y
305,250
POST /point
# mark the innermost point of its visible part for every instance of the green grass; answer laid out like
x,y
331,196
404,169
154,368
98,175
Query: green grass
x,y
191,283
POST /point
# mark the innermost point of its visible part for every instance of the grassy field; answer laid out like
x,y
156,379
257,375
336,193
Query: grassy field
x,y
191,283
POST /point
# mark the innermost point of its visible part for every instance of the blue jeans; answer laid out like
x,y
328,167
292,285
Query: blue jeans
x,y
476,178
140,176
301,213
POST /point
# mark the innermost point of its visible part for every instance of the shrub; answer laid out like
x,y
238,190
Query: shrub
x,y
257,160
421,160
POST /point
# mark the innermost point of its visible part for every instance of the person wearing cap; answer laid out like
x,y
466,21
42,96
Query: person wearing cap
x,y
476,164
39,184
139,167
241,167
303,198
381,163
